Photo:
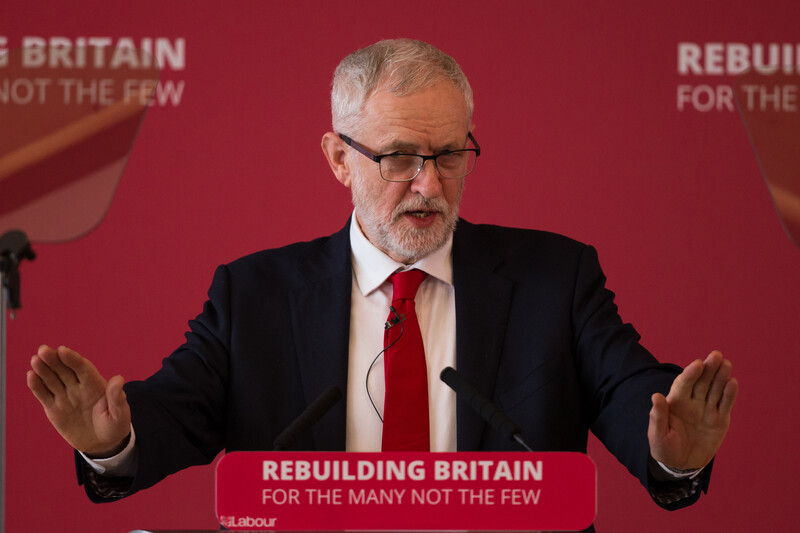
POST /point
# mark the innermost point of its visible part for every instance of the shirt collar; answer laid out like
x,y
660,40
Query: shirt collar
x,y
371,266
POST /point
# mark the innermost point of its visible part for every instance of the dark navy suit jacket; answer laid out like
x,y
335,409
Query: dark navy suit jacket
x,y
537,331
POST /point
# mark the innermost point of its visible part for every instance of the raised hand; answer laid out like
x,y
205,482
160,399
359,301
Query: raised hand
x,y
688,426
92,414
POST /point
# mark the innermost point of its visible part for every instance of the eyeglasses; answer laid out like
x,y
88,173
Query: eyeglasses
x,y
452,164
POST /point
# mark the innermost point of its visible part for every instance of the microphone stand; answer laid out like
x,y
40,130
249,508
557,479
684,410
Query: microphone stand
x,y
14,247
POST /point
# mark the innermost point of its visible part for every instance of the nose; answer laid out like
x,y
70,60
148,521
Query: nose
x,y
428,182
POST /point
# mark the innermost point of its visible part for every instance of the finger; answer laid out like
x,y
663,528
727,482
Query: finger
x,y
82,368
729,396
710,367
721,379
47,355
44,349
39,389
49,378
51,358
684,383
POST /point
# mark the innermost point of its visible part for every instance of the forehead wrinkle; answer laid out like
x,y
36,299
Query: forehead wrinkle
x,y
433,120
414,140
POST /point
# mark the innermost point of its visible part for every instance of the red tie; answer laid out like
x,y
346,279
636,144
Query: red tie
x,y
405,408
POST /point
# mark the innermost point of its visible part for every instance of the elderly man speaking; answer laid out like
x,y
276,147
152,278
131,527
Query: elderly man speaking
x,y
381,307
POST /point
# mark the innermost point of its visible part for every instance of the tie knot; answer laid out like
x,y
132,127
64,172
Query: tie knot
x,y
405,284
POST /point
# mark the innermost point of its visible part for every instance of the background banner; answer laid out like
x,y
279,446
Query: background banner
x,y
612,122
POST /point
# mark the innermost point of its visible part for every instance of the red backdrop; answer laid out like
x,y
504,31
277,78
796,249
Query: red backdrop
x,y
582,131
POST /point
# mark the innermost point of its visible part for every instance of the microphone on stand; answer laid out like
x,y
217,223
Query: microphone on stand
x,y
483,406
309,417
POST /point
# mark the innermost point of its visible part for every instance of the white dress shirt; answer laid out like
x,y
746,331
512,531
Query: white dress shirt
x,y
371,297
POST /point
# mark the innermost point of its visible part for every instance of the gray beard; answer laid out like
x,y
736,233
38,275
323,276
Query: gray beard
x,y
404,244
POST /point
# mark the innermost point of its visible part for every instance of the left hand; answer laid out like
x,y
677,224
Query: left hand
x,y
688,426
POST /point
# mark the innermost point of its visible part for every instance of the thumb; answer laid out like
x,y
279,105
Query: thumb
x,y
117,400
659,417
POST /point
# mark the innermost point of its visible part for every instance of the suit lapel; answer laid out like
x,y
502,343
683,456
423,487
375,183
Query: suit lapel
x,y
482,305
320,312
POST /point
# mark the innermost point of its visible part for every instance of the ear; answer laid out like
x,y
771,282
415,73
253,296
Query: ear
x,y
335,151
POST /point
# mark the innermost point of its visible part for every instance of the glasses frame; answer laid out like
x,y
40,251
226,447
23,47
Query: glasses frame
x,y
360,148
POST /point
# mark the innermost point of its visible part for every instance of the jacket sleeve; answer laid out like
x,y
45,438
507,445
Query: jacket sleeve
x,y
179,412
622,376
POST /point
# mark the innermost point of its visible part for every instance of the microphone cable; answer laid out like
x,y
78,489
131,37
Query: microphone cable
x,y
396,319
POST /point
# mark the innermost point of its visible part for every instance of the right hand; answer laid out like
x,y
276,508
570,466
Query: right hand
x,y
90,413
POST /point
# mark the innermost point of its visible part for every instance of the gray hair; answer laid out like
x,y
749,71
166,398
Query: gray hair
x,y
399,66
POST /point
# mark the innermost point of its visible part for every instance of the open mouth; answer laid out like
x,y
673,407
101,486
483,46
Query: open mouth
x,y
420,214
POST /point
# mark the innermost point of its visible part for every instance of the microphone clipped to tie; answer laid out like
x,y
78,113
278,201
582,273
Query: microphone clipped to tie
x,y
396,319
483,406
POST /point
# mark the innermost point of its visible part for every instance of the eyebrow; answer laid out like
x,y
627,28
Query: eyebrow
x,y
399,146
412,148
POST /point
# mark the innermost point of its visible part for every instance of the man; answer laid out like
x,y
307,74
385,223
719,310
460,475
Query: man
x,y
523,315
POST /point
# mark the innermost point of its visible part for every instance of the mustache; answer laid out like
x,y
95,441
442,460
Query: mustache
x,y
418,203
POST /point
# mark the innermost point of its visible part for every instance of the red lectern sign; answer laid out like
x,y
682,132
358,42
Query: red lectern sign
x,y
368,491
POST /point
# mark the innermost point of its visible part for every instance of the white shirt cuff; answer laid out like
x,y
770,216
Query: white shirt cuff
x,y
680,474
121,465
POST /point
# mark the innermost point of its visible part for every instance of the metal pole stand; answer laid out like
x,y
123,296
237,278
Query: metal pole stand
x,y
14,247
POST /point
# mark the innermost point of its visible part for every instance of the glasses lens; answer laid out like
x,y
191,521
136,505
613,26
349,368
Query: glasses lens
x,y
456,164
405,167
400,167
